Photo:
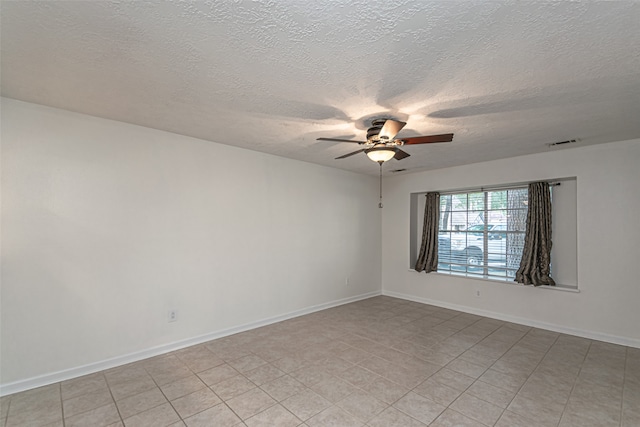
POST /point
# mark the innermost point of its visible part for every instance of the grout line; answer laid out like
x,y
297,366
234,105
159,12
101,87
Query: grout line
x,y
586,353
64,423
113,398
162,392
535,369
6,416
624,383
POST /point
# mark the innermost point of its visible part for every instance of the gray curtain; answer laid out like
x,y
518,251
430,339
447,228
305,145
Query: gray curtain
x,y
428,257
536,254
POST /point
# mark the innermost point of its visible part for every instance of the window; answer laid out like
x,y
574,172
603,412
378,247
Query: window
x,y
499,239
481,233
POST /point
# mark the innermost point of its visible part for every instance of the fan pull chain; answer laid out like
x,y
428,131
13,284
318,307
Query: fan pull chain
x,y
380,203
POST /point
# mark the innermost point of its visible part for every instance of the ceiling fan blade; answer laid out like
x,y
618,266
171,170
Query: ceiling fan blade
x,y
446,137
340,140
350,154
390,129
400,154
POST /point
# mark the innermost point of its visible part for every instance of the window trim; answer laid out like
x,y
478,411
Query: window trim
x,y
416,214
562,288
484,266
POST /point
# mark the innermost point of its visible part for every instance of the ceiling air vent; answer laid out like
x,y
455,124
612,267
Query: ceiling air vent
x,y
553,144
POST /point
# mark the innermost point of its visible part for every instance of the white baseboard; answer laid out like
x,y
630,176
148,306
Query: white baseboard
x,y
67,374
598,336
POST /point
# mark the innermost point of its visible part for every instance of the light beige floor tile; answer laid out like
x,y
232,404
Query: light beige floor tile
x,y
246,363
391,417
264,374
4,405
514,367
362,405
630,418
478,358
306,404
419,407
232,387
162,415
219,373
467,368
283,387
290,364
404,376
511,419
590,414
507,381
386,391
598,394
121,390
83,385
137,403
335,365
548,414
126,373
271,353
250,403
218,416
396,373
333,389
437,392
42,398
195,402
354,355
86,402
453,379
314,353
59,423
36,418
274,416
451,418
310,375
169,375
334,416
492,394
37,408
477,409
358,376
182,387
199,358
227,352
98,417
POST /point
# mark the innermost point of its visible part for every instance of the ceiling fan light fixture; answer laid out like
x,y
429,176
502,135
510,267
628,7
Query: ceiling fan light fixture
x,y
381,154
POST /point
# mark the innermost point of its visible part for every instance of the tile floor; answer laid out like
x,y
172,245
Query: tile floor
x,y
379,362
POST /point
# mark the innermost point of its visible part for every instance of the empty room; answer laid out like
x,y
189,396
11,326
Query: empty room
x,y
320,213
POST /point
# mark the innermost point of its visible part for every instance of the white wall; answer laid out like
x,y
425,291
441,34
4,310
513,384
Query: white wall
x,y
106,226
608,233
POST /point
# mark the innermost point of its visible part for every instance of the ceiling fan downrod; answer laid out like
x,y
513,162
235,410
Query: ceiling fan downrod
x,y
380,203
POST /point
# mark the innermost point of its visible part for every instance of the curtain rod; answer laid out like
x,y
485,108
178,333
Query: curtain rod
x,y
555,183
507,187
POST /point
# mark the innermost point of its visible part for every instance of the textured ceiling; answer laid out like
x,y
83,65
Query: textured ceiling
x,y
506,77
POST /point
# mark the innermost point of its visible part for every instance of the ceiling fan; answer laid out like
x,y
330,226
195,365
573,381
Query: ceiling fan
x,y
382,145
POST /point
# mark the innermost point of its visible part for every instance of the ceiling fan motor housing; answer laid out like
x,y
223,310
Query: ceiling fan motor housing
x,y
374,131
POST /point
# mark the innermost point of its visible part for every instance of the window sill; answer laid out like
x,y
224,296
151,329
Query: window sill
x,y
561,288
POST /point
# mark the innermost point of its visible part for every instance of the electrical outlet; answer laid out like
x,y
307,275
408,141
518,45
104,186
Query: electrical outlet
x,y
478,293
346,280
172,316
